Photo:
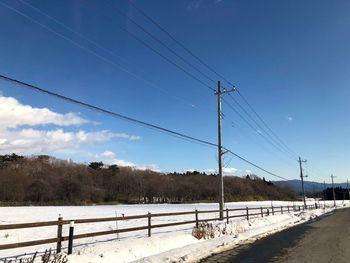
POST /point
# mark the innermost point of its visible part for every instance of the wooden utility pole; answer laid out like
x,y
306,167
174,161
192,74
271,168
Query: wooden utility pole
x,y
220,152
302,179
333,190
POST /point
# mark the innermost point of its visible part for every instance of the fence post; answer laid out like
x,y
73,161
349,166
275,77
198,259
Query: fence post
x,y
281,209
196,211
227,217
70,238
288,209
267,211
149,224
262,212
247,213
59,235
273,212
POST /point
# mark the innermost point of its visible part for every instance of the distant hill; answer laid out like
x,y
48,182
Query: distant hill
x,y
296,185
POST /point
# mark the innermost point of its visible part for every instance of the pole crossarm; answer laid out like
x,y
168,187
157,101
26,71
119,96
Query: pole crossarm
x,y
224,91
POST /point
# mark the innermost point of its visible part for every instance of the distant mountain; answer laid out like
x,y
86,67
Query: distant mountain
x,y
309,186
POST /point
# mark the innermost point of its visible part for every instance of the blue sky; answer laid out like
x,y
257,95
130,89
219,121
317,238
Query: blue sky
x,y
289,58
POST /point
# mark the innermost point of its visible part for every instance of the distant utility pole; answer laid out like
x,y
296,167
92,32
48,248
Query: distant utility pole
x,y
220,152
332,176
302,178
324,194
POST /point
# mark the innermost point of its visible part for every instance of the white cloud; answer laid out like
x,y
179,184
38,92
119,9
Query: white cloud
x,y
14,114
108,154
105,135
13,138
41,141
152,167
108,157
120,162
249,172
225,170
210,171
229,170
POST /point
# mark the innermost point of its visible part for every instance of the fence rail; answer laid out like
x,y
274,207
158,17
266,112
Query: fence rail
x,y
246,212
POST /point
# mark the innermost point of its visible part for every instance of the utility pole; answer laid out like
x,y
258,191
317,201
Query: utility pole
x,y
221,179
324,194
302,178
333,190
220,152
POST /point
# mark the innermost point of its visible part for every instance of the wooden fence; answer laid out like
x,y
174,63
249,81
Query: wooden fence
x,y
229,214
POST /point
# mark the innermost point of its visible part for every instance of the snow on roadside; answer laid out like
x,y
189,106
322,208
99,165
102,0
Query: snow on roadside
x,y
183,247
166,244
26,214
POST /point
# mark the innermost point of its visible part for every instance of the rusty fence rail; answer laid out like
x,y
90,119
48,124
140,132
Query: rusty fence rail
x,y
245,212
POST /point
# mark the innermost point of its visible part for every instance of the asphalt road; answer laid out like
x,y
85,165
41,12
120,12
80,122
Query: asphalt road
x,y
321,241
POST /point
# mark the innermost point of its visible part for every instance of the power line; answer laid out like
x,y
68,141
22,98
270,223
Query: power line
x,y
163,44
256,166
179,43
271,139
254,139
69,28
88,50
130,119
265,124
166,58
125,30
268,140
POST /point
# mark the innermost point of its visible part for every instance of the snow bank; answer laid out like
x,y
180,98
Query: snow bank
x,y
183,247
229,235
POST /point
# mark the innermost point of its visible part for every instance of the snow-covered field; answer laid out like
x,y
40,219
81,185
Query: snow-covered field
x,y
166,244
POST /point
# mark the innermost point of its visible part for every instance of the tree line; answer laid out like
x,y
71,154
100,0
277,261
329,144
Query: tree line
x,y
339,193
45,179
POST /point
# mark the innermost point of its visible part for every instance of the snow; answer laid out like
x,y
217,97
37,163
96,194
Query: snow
x,y
171,244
